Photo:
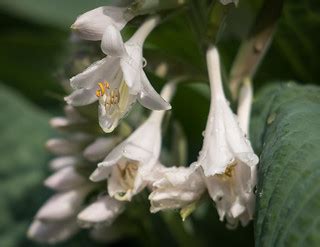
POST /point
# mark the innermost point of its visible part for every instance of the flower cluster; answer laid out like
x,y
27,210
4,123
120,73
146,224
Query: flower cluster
x,y
97,174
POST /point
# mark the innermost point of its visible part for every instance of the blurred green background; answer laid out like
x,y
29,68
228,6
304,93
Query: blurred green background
x,y
35,44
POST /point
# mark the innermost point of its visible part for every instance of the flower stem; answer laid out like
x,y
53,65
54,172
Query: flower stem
x,y
255,46
244,106
213,64
145,29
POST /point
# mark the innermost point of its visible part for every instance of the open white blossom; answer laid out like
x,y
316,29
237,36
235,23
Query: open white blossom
x,y
224,141
118,80
127,166
92,24
174,187
231,183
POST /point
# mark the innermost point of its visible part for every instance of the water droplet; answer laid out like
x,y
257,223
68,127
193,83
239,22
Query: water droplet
x,y
271,118
255,190
144,62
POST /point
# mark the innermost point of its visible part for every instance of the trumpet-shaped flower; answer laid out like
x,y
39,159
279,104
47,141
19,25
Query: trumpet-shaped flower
x,y
92,24
174,187
118,80
224,141
230,163
127,166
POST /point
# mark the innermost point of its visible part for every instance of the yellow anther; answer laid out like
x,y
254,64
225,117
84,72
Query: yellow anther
x,y
101,91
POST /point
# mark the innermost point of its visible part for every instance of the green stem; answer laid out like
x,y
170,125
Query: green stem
x,y
255,46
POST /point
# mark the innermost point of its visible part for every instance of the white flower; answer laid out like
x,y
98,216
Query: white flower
x,y
92,24
118,80
102,212
63,205
236,2
66,178
229,162
72,119
127,166
52,232
224,142
100,148
70,146
233,194
175,187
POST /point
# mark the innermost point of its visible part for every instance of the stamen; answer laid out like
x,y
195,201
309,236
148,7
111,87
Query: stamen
x,y
228,172
111,97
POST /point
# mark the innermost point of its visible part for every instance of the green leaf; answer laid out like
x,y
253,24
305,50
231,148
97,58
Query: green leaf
x,y
23,130
286,120
58,13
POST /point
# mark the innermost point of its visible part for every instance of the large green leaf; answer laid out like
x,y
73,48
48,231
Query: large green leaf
x,y
23,130
58,13
287,122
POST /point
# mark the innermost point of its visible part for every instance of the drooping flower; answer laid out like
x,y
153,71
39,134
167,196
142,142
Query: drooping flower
x,y
127,166
232,189
118,80
224,141
92,24
174,187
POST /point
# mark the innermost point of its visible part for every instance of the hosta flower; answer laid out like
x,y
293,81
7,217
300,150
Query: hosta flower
x,y
118,80
92,24
229,1
101,212
63,205
98,150
174,187
52,232
229,162
225,143
127,166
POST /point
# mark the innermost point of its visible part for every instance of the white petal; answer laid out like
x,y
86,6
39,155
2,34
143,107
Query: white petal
x,y
90,77
81,97
149,98
100,173
215,155
65,179
131,66
99,149
112,43
237,141
113,157
137,153
109,122
63,161
176,187
91,25
62,205
52,232
59,146
237,209
105,210
225,2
